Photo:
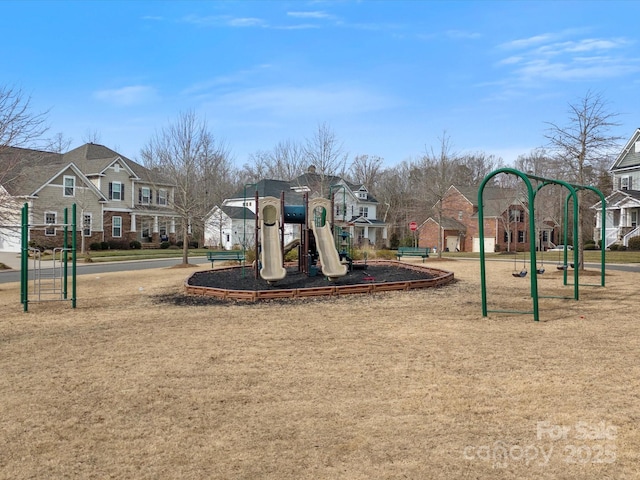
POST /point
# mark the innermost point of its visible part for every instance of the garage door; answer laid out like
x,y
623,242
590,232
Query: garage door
x,y
489,244
9,240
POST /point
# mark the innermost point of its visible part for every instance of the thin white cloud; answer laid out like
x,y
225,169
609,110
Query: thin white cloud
x,y
545,57
315,14
127,96
292,101
223,20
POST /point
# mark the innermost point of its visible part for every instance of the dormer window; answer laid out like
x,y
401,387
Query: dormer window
x,y
362,195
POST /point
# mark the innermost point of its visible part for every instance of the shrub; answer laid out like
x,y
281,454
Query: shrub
x,y
179,243
165,245
193,244
117,245
590,246
104,245
95,246
135,245
634,243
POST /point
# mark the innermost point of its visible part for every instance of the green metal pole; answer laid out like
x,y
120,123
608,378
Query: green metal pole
x,y
73,256
65,245
244,225
24,258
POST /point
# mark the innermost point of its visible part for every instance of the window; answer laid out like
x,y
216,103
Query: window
x,y
144,195
69,186
521,236
50,218
161,197
460,215
507,237
634,218
116,227
364,212
86,225
116,191
625,183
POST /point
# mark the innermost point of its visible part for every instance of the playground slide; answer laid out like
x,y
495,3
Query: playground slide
x,y
332,267
271,252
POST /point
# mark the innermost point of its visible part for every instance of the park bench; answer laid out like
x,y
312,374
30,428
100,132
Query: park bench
x,y
412,252
226,256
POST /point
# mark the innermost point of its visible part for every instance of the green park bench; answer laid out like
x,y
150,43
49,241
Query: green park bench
x,y
225,256
412,252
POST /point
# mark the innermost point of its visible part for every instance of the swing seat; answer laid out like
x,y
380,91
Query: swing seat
x,y
540,270
562,267
520,274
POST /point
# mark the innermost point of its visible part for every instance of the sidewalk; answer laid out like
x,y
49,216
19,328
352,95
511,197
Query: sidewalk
x,y
11,260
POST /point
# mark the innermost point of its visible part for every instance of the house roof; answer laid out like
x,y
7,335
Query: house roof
x,y
93,159
628,157
496,199
26,170
618,197
270,188
238,213
448,223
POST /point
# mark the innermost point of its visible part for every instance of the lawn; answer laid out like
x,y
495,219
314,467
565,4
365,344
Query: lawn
x,y
413,384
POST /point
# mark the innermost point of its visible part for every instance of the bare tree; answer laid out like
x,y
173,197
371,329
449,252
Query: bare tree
x,y
365,170
285,161
19,127
187,152
580,145
91,136
326,153
58,143
472,168
441,167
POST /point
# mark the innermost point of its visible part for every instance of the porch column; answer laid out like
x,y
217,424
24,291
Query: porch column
x,y
172,228
133,222
155,224
366,232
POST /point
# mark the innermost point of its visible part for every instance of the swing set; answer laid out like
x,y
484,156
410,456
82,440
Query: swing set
x,y
541,182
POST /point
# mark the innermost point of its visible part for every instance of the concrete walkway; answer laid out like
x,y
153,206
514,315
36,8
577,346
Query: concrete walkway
x,y
11,260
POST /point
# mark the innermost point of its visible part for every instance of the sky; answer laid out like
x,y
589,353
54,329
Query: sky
x,y
389,78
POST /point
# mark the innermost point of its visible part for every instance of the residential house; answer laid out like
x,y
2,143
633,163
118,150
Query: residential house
x,y
117,200
506,225
623,205
230,227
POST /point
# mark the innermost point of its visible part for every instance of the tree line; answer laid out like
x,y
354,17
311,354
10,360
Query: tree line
x,y
579,150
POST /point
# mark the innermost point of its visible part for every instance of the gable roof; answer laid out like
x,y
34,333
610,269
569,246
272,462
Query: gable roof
x,y
628,157
94,159
25,170
238,213
619,197
496,199
270,188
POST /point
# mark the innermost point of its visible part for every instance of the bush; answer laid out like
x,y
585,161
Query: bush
x,y
104,245
135,245
193,244
179,243
634,243
590,246
165,244
95,246
117,245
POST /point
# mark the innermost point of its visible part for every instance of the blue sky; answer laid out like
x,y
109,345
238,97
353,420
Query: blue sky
x,y
388,77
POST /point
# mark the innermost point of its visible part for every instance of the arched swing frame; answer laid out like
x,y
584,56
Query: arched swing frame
x,y
531,194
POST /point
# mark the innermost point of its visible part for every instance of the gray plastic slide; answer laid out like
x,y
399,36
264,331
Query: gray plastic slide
x,y
271,252
332,267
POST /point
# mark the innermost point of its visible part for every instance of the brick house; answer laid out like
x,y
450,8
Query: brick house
x,y
505,215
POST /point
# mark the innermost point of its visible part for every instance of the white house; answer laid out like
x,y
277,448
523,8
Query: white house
x,y
229,227
623,205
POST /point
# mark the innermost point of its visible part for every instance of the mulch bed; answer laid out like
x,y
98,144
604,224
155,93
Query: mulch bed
x,y
236,279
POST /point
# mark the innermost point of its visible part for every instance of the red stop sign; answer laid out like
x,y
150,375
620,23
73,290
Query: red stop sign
x,y
413,226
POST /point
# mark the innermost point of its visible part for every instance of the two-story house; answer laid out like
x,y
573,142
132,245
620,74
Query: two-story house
x,y
506,222
117,200
623,205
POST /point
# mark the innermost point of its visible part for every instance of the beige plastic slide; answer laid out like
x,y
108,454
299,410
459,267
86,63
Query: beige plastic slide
x,y
332,267
271,252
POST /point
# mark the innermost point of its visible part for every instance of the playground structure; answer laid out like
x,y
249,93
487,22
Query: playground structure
x,y
317,240
536,269
50,283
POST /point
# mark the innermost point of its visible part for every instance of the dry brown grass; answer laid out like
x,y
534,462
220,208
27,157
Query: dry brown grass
x,y
399,385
